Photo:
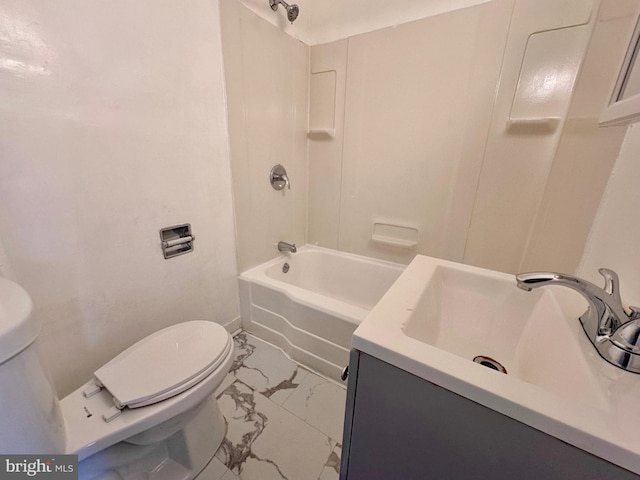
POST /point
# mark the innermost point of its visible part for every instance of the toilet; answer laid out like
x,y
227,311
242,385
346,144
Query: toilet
x,y
147,413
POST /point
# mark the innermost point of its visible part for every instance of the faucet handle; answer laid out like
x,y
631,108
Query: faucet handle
x,y
612,287
611,283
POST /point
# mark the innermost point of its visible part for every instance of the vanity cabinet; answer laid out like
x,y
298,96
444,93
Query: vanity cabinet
x,y
399,426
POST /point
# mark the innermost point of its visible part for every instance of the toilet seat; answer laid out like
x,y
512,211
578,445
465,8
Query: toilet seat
x,y
164,364
84,416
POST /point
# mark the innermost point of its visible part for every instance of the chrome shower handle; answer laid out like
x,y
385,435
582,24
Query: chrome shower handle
x,y
278,178
283,178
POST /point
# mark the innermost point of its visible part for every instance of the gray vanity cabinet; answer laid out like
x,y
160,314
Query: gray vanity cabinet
x,y
399,426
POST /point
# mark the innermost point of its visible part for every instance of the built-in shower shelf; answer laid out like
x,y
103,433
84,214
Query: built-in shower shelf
x,y
533,125
392,235
393,242
321,133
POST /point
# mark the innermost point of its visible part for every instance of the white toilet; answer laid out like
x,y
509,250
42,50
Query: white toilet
x,y
147,414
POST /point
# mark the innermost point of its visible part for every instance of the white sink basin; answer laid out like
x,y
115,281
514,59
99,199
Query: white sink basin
x,y
439,315
473,312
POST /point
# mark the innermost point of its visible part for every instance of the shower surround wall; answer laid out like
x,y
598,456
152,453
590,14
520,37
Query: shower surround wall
x,y
571,200
452,141
267,80
113,125
409,150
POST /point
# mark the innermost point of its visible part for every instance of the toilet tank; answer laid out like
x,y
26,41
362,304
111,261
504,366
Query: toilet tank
x,y
30,417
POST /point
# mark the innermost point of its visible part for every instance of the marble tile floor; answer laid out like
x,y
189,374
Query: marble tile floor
x,y
283,421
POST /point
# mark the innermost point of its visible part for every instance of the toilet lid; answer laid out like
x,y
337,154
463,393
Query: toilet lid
x,y
165,363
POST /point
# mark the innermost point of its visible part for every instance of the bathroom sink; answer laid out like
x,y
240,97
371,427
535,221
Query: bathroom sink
x,y
439,316
482,315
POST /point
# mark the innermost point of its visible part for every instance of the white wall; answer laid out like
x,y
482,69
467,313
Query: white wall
x,y
112,126
267,76
615,235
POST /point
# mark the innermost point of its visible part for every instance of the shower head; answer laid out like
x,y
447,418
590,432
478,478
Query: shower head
x,y
292,10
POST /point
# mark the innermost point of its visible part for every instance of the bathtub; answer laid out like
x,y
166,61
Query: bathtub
x,y
312,310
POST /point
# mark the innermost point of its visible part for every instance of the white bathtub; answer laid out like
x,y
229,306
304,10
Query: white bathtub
x,y
312,310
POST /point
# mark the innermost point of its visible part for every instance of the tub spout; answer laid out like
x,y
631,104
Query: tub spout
x,y
287,247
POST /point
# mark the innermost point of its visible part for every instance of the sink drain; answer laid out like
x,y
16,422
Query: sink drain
x,y
490,363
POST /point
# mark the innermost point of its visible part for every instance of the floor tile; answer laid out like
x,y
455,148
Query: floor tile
x,y
320,403
331,470
266,368
215,470
264,441
242,349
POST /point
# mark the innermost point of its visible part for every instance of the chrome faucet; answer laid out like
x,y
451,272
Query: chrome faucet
x,y
612,327
287,247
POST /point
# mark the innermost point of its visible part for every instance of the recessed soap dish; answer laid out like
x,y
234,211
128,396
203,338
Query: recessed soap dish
x,y
398,236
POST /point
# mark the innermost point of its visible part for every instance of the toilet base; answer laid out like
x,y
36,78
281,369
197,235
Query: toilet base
x,y
182,456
